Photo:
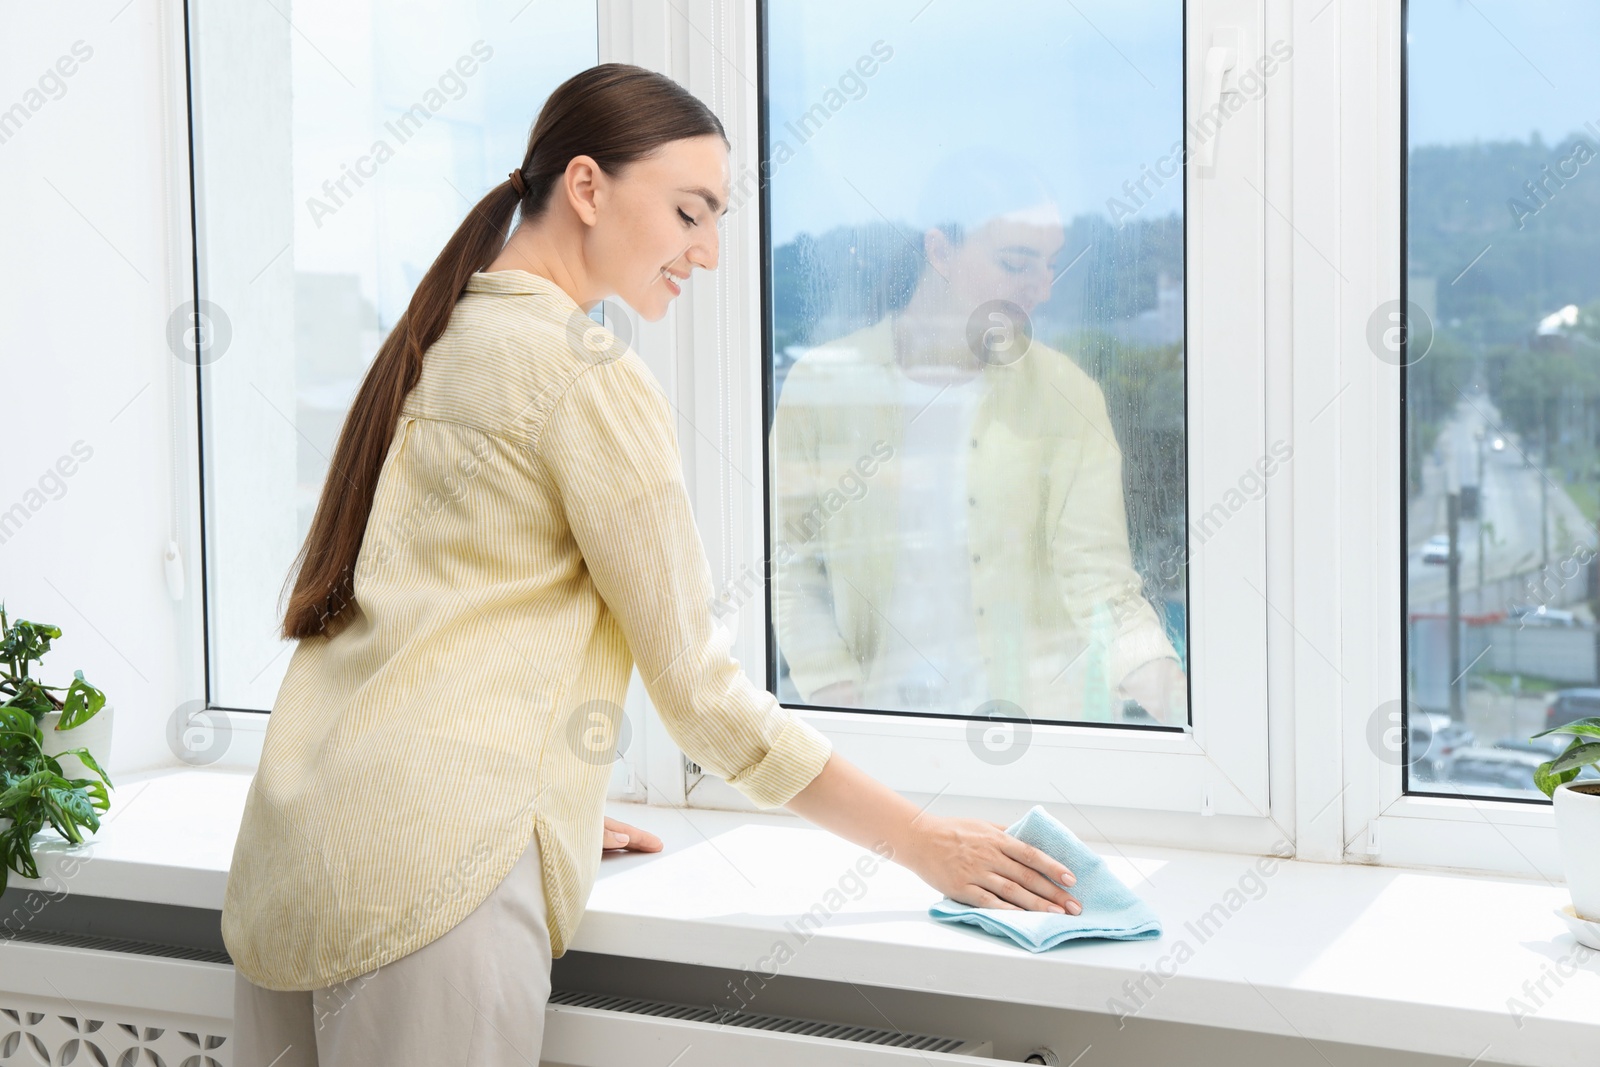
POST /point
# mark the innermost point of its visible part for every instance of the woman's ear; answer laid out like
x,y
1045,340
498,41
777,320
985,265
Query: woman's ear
x,y
938,249
583,182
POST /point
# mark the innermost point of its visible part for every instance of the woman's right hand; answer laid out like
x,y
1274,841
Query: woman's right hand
x,y
976,862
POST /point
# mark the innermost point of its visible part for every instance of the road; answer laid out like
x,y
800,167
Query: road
x,y
1510,493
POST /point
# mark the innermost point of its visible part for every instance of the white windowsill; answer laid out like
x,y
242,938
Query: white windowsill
x,y
1414,960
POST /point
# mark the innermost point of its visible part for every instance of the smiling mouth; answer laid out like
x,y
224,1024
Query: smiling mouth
x,y
666,277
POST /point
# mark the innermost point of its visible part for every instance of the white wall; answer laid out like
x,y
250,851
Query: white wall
x,y
86,266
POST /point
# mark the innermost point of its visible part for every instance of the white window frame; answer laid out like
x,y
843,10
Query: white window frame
x,y
1327,547
1317,657
241,279
701,351
1360,171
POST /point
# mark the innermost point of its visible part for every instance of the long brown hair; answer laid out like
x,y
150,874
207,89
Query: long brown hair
x,y
615,113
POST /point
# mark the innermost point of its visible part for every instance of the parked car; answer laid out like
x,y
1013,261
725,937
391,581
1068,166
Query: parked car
x,y
1541,615
1546,748
1496,771
1436,549
1434,738
1568,705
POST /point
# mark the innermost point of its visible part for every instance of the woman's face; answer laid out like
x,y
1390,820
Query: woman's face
x,y
1002,259
657,220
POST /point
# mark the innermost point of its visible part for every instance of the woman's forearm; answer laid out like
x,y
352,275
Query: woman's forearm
x,y
969,860
846,801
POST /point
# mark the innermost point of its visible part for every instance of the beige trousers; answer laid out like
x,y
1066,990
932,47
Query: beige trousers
x,y
476,995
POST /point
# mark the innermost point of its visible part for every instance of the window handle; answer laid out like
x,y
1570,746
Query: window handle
x,y
1220,58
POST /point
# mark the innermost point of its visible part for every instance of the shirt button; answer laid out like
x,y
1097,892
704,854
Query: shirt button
x,y
980,611
975,558
974,442
972,500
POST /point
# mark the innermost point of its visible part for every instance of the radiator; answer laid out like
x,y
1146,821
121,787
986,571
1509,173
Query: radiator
x,y
104,1002
595,1030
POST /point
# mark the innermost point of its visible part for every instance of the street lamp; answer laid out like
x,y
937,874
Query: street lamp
x,y
1478,513
1453,525
1544,494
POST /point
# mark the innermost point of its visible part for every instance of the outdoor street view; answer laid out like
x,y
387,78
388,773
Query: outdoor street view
x,y
1502,379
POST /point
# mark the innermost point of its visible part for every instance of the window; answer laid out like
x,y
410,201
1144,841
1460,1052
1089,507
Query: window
x,y
335,150
977,427
896,141
1500,345
1231,329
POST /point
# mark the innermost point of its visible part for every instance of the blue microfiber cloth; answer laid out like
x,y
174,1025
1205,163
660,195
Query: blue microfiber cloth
x,y
1110,909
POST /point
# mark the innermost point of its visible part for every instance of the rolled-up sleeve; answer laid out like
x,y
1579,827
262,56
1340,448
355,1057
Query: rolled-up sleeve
x,y
610,449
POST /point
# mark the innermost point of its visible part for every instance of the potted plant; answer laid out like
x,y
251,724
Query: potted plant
x,y
41,779
1577,808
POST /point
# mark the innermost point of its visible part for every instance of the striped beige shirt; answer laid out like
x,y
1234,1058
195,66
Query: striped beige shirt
x,y
530,539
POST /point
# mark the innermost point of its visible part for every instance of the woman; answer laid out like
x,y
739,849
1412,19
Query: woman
x,y
504,532
989,565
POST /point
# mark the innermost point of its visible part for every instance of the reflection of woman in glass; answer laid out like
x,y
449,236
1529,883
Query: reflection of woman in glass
x,y
507,535
950,529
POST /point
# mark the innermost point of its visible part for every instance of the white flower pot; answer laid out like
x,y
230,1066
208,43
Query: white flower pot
x,y
1577,807
94,735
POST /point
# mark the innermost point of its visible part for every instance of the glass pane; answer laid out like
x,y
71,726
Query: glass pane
x,y
1501,357
337,148
976,395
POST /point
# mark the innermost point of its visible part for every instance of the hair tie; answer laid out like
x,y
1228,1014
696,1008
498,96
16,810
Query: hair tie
x,y
518,184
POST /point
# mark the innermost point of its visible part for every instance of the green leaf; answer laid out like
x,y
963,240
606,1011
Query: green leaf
x,y
32,698
27,641
60,817
17,842
96,792
14,718
88,761
8,862
1589,727
68,809
1577,756
81,703
26,743
32,785
1547,782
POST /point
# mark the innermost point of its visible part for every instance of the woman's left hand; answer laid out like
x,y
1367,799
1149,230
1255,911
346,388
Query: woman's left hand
x,y
621,835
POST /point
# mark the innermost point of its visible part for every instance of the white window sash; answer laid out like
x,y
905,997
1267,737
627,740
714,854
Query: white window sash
x,y
704,352
1285,683
1348,546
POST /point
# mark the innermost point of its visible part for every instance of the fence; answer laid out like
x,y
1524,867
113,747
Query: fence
x,y
1566,655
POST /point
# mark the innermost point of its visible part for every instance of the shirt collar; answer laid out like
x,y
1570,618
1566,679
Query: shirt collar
x,y
879,346
517,281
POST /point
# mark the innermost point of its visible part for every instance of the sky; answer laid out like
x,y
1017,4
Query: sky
x,y
1499,69
1088,93
1091,91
